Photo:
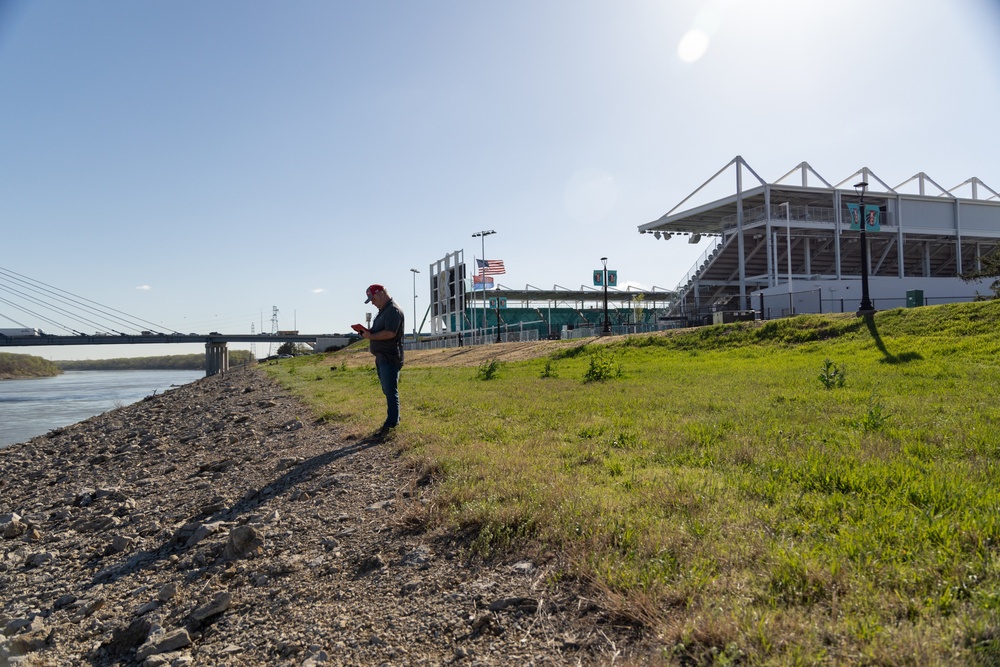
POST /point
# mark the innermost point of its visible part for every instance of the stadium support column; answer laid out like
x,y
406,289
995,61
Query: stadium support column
x,y
216,358
744,299
958,238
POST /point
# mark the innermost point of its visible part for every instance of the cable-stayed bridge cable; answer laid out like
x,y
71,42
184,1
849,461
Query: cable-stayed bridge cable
x,y
57,309
77,301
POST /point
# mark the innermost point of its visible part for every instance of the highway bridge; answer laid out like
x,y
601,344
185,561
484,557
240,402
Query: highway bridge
x,y
216,350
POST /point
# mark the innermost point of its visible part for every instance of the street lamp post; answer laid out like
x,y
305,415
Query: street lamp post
x,y
415,272
607,322
866,307
482,236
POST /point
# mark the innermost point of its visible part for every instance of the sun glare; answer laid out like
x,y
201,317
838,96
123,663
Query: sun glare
x,y
692,46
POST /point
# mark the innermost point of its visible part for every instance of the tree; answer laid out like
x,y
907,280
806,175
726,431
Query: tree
x,y
286,348
989,268
638,300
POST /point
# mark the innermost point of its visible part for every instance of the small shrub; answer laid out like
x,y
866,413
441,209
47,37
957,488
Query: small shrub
x,y
876,417
833,376
549,371
489,370
603,366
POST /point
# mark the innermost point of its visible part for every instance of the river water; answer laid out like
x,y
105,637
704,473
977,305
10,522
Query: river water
x,y
36,406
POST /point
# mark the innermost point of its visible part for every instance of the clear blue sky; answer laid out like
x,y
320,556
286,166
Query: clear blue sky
x,y
196,163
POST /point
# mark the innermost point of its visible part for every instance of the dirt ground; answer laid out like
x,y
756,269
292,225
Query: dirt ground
x,y
358,355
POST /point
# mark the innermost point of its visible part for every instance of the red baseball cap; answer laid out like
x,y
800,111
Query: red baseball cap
x,y
372,291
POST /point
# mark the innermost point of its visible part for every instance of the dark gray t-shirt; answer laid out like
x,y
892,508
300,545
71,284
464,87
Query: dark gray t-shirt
x,y
390,318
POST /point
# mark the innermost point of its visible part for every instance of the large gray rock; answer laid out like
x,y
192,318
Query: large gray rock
x,y
244,542
11,526
219,604
203,531
41,558
164,643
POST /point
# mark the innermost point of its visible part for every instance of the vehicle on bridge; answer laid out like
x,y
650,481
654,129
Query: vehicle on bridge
x,y
20,333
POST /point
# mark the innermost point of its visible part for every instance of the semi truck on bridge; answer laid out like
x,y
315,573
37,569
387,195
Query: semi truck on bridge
x,y
20,333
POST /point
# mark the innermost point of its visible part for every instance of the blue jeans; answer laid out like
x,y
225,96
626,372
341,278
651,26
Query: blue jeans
x,y
388,377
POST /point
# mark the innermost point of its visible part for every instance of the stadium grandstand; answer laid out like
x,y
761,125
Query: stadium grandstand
x,y
565,313
466,309
787,247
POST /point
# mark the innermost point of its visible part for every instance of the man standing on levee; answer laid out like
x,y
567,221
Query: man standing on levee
x,y
386,342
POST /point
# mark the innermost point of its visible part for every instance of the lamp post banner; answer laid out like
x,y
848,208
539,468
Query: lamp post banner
x,y
872,216
599,278
855,210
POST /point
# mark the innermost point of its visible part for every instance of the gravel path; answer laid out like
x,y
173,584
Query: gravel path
x,y
217,524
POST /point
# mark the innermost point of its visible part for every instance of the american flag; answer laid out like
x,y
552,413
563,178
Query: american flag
x,y
490,267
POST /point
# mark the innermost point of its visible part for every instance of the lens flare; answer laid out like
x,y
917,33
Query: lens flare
x,y
692,46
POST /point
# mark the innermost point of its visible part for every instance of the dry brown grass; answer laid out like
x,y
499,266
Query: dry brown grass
x,y
471,356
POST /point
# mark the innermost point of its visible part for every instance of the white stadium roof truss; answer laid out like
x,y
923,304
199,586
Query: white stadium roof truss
x,y
927,231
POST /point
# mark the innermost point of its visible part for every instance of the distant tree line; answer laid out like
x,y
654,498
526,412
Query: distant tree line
x,y
25,366
174,362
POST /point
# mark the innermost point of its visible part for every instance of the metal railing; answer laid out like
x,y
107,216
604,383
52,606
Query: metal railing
x,y
693,271
775,306
485,336
616,330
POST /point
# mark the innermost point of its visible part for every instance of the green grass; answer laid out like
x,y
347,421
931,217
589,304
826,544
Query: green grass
x,y
715,489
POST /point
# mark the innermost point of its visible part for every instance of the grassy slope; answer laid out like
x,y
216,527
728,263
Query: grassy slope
x,y
718,492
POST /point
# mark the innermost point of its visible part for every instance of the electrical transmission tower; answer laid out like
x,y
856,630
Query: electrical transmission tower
x,y
274,328
253,346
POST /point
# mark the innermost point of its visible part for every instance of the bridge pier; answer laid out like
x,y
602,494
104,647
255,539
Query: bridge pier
x,y
216,358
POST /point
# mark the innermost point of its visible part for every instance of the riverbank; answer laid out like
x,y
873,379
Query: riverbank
x,y
219,524
17,366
